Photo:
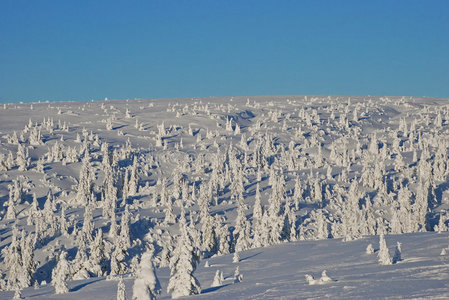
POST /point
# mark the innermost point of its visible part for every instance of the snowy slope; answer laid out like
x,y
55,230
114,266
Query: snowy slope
x,y
279,272
295,184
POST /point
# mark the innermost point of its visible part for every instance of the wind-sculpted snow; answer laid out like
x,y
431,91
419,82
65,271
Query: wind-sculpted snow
x,y
197,180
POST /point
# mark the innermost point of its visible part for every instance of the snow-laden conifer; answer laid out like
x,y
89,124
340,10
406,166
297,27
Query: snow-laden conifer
x,y
133,182
237,276
97,258
121,290
146,285
217,279
17,294
325,278
182,265
85,185
257,219
13,260
383,255
369,249
60,274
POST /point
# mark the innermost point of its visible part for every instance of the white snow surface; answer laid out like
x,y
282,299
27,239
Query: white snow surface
x,y
325,141
279,272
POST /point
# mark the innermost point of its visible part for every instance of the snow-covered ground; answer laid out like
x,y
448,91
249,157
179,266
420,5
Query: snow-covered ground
x,y
279,272
294,184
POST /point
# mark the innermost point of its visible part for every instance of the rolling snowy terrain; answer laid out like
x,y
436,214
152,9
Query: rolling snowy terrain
x,y
107,194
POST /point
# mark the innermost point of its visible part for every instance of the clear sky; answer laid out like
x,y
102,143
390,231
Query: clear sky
x,y
83,50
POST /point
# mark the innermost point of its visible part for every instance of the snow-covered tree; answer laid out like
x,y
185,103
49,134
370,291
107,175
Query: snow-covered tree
x,y
118,256
325,278
125,233
60,274
209,238
80,265
121,290
97,258
383,255
85,183
22,160
133,182
237,276
242,228
146,285
218,279
27,266
13,260
182,265
257,219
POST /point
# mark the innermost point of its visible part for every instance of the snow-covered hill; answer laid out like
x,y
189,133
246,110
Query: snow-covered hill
x,y
279,272
294,185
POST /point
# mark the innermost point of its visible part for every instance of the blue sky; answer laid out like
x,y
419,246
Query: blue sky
x,y
82,50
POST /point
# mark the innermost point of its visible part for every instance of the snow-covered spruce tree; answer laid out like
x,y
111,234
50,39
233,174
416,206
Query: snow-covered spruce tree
x,y
28,265
3,164
237,276
133,182
85,185
33,211
441,227
236,257
121,244
13,259
97,258
166,243
182,265
17,294
404,214
113,229
146,285
50,203
10,161
60,274
276,220
80,265
222,232
321,224
121,290
264,233
22,160
324,278
421,206
237,187
218,279
383,255
163,191
298,194
257,219
64,224
106,155
170,217
125,234
109,196
351,213
11,210
88,225
118,265
19,260
209,244
242,227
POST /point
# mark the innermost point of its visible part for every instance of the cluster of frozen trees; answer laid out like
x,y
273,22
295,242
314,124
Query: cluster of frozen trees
x,y
309,169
